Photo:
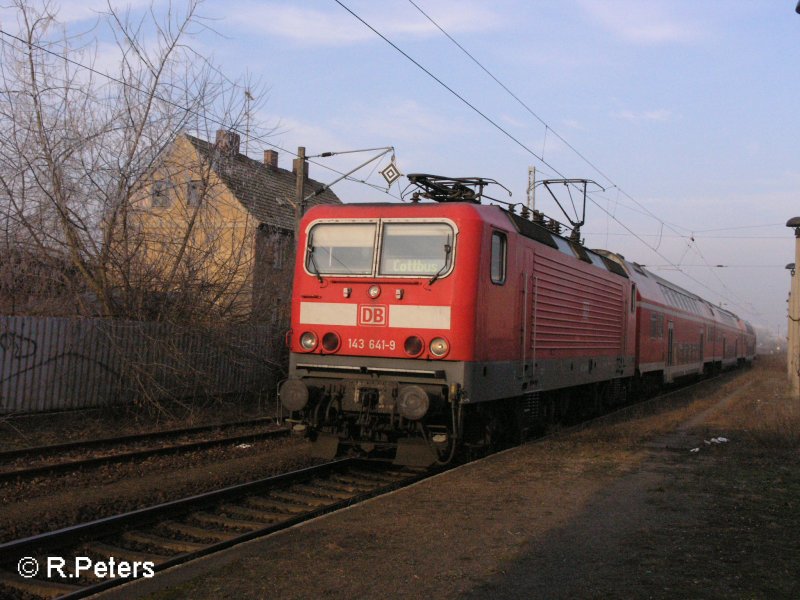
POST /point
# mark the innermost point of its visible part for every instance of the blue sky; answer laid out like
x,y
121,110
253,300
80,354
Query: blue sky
x,y
687,110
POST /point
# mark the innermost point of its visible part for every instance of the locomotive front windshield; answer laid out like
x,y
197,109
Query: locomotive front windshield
x,y
341,249
406,249
415,249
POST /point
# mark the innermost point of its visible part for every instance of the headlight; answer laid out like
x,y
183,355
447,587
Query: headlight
x,y
414,346
412,402
374,291
294,394
331,342
439,347
308,341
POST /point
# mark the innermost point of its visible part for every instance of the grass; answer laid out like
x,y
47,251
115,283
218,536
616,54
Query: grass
x,y
767,415
753,405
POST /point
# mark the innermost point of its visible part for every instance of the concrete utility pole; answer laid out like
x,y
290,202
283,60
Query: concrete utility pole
x,y
793,352
301,174
531,188
790,330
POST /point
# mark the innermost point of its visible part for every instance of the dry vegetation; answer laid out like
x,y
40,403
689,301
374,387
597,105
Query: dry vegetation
x,y
757,409
768,417
81,144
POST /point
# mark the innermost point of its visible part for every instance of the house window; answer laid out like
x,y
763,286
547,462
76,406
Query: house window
x,y
160,194
275,313
498,266
194,193
277,256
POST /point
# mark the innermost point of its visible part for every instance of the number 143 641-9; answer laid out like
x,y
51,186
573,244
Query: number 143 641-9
x,y
369,344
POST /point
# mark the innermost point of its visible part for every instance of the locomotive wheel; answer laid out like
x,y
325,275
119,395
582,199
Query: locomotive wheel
x,y
513,423
505,427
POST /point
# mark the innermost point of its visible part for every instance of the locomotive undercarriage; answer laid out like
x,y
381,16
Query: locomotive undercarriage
x,y
372,419
407,423
381,410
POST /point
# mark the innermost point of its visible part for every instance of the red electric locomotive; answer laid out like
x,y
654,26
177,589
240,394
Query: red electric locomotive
x,y
421,328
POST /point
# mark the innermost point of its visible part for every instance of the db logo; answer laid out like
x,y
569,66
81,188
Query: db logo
x,y
372,314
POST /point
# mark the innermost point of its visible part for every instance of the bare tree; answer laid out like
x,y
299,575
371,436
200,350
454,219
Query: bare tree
x,y
79,147
77,150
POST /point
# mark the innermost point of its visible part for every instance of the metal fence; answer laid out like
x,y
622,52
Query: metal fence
x,y
54,363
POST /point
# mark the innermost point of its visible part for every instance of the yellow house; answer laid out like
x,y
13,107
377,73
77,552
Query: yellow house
x,y
214,231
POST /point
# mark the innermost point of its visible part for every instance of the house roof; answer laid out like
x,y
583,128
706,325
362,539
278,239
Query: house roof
x,y
266,192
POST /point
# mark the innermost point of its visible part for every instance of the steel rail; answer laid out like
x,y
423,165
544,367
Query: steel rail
x,y
7,455
94,461
75,536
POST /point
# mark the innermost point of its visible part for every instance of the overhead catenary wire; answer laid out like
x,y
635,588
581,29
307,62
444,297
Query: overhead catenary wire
x,y
691,243
512,94
210,118
547,126
705,237
449,89
705,266
538,157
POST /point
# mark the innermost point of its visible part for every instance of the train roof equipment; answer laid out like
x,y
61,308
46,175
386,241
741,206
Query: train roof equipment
x,y
452,189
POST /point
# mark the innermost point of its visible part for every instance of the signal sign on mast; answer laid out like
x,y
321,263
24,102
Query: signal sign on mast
x,y
391,173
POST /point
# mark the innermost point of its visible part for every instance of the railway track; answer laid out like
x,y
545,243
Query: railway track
x,y
54,459
175,532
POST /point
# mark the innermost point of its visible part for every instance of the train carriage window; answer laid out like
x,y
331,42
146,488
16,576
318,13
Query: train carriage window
x,y
499,252
673,299
421,249
656,325
341,248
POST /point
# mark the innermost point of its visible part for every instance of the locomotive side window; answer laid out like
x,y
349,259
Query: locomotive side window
x,y
422,249
498,267
341,248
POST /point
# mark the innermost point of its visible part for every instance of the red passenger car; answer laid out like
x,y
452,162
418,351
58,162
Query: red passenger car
x,y
421,328
681,334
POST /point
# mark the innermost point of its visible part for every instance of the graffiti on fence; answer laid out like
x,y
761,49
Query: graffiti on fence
x,y
53,363
17,345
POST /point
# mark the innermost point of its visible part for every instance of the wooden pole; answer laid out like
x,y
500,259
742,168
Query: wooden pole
x,y
300,168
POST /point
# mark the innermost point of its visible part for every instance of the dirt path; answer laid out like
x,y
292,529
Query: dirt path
x,y
620,511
